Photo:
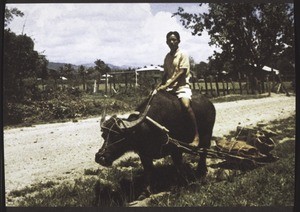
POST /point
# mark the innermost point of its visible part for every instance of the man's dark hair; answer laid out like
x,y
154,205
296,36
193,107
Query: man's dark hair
x,y
173,33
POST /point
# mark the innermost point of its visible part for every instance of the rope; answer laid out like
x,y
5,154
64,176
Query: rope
x,y
209,153
111,130
181,145
114,143
239,133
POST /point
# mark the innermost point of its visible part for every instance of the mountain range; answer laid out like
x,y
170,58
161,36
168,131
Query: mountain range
x,y
56,66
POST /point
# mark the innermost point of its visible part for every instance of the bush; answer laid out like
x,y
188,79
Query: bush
x,y
54,105
13,114
18,113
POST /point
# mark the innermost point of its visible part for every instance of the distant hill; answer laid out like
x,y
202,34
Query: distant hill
x,y
55,66
111,66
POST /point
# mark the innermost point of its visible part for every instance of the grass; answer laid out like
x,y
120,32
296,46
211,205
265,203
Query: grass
x,y
65,108
74,193
237,97
271,185
268,185
72,104
31,189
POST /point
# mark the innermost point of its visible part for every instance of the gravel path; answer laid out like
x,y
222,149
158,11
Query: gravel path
x,y
62,151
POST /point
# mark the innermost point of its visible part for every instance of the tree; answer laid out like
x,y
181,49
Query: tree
x,y
192,63
9,15
201,70
248,34
68,71
91,73
54,74
42,67
102,68
20,61
82,74
192,68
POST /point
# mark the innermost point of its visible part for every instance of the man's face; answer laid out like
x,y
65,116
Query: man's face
x,y
173,42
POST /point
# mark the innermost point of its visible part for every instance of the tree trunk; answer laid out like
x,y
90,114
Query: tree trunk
x,y
240,83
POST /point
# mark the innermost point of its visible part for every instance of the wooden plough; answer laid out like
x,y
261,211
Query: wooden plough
x,y
236,150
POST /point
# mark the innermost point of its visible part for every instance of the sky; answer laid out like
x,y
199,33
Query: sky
x,y
130,34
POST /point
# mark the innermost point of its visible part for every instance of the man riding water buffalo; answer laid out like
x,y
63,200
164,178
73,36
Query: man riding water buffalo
x,y
176,78
184,120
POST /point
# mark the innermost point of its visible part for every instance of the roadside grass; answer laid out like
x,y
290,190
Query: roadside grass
x,y
22,192
270,185
237,97
66,107
72,193
63,109
266,185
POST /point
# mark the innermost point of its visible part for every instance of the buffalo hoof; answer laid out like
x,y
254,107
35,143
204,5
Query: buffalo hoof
x,y
201,172
142,196
145,194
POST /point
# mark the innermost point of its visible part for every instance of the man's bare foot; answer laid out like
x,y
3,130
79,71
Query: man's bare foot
x,y
195,142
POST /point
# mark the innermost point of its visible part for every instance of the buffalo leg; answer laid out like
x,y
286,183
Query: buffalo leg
x,y
201,167
178,162
148,170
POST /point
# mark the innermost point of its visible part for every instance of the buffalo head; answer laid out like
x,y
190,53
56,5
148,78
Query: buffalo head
x,y
115,133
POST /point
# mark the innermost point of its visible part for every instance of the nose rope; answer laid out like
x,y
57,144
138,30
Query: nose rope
x,y
111,130
116,142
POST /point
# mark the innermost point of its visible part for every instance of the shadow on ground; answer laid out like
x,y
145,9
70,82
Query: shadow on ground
x,y
128,189
164,178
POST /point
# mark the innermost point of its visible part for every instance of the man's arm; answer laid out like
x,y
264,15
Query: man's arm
x,y
172,80
164,79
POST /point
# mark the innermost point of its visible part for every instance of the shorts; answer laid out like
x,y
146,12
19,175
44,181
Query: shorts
x,y
182,92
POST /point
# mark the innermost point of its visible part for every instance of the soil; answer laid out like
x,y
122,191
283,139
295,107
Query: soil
x,y
62,151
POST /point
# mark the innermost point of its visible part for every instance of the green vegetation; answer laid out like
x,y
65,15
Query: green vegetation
x,y
74,193
271,185
60,106
244,33
35,92
231,98
73,104
28,101
268,185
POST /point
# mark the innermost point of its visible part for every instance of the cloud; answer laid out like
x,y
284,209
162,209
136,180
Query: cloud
x,y
120,34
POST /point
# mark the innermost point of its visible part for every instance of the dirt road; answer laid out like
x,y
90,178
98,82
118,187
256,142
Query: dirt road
x,y
62,151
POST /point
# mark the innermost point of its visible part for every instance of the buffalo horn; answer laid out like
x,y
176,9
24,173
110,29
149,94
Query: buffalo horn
x,y
132,124
103,116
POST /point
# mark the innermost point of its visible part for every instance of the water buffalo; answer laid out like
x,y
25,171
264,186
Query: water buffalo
x,y
137,133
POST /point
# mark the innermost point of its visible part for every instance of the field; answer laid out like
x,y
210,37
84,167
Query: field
x,y
56,162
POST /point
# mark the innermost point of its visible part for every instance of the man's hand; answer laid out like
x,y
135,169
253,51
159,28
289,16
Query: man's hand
x,y
162,87
165,86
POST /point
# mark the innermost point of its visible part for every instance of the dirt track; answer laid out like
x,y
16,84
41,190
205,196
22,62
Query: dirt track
x,y
62,151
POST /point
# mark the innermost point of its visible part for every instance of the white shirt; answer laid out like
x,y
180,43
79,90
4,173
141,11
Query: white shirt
x,y
173,64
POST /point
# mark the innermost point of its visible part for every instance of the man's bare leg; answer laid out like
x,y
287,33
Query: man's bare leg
x,y
187,105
